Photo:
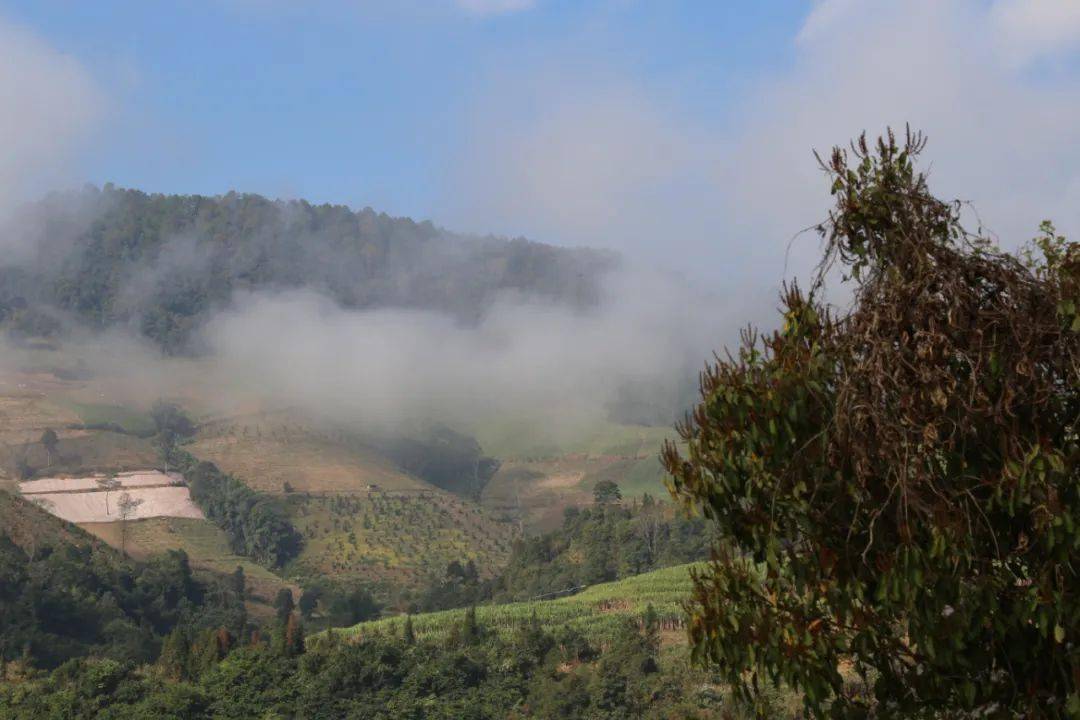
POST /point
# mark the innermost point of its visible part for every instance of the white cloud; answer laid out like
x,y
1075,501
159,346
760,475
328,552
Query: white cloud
x,y
524,359
997,138
49,105
578,167
494,7
566,156
1030,29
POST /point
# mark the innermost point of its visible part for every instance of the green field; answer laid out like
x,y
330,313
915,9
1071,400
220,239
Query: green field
x,y
526,441
595,611
384,536
634,477
132,421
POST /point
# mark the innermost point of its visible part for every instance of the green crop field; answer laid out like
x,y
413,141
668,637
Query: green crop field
x,y
516,441
206,545
403,536
635,477
594,611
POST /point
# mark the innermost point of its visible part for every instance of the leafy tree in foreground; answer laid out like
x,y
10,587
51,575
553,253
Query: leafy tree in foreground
x,y
898,486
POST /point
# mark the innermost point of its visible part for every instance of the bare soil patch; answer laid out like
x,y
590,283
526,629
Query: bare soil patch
x,y
81,500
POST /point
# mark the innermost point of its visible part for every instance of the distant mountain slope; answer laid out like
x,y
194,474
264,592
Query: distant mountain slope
x,y
161,263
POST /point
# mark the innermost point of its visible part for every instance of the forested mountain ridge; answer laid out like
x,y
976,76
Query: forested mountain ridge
x,y
160,263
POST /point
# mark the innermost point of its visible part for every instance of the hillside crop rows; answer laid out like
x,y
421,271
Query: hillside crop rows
x,y
398,535
595,611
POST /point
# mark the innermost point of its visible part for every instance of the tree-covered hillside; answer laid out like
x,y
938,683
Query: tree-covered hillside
x,y
608,542
160,263
64,595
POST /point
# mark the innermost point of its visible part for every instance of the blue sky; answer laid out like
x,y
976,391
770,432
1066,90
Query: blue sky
x,y
356,103
678,132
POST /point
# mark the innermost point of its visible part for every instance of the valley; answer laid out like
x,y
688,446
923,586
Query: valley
x,y
363,517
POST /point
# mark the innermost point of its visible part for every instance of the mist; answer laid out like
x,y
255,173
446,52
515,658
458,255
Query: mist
x,y
548,369
531,362
51,108
702,207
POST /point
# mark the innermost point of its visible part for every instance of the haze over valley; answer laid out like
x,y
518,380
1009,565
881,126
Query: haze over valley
x,y
532,359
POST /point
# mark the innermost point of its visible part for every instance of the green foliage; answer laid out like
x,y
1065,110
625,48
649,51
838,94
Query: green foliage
x,y
70,600
256,524
49,439
171,423
352,605
163,263
114,418
606,491
283,604
599,545
594,612
339,602
898,487
594,545
309,601
536,673
444,458
392,539
289,636
239,582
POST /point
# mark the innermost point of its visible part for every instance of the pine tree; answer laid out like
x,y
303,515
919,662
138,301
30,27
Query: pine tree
x,y
470,630
239,583
284,604
293,637
175,658
209,651
409,635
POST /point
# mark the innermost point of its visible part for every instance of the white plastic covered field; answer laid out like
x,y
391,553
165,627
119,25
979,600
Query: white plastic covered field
x,y
81,500
141,478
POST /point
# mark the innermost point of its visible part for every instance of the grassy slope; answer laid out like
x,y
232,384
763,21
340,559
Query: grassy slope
x,y
30,527
25,413
207,548
398,537
132,421
542,474
306,463
536,492
593,611
511,441
86,452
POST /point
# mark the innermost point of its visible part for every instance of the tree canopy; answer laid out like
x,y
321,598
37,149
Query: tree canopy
x,y
897,485
161,264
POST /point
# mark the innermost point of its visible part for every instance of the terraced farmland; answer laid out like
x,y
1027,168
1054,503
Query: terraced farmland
x,y
278,453
402,536
595,611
